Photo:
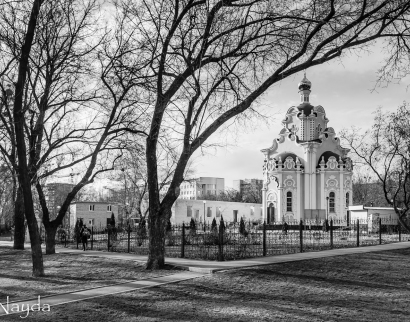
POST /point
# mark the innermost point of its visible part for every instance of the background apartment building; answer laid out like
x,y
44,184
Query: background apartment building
x,y
194,188
250,189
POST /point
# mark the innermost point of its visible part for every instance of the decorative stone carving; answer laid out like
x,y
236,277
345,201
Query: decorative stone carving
x,y
272,196
348,183
331,182
349,165
298,163
289,163
275,179
271,165
332,163
322,162
289,217
289,182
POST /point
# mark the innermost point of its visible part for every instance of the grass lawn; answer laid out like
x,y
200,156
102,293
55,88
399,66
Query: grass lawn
x,y
362,287
65,273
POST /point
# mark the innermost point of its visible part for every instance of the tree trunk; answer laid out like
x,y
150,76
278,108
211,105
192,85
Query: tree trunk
x,y
23,172
36,253
156,227
51,239
19,228
403,223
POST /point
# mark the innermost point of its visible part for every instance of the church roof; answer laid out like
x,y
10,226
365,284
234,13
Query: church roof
x,y
306,108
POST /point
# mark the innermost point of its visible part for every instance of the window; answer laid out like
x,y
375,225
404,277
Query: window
x,y
289,201
209,212
332,202
347,199
302,129
252,211
109,208
91,207
218,211
312,129
91,222
235,216
189,211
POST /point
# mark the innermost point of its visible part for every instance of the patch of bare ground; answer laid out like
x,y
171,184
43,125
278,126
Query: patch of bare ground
x,y
65,273
362,287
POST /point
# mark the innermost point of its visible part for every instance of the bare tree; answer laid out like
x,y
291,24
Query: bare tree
x,y
72,105
385,150
212,60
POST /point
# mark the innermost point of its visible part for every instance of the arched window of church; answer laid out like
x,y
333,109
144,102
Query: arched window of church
x,y
332,202
347,199
289,201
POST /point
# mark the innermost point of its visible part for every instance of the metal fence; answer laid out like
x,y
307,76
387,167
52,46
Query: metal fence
x,y
233,241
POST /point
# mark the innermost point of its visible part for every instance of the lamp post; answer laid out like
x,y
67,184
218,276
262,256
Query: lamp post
x,y
327,208
204,214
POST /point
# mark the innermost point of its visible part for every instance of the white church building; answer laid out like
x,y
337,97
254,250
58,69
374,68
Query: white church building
x,y
307,174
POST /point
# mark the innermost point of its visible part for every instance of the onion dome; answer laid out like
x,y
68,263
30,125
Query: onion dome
x,y
304,84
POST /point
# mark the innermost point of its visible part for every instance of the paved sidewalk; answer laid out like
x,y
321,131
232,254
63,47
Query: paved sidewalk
x,y
59,299
196,269
207,267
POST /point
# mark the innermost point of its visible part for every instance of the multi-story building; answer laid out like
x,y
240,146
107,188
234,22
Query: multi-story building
x,y
249,188
93,214
194,188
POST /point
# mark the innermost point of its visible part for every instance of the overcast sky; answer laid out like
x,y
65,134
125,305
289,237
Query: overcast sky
x,y
343,89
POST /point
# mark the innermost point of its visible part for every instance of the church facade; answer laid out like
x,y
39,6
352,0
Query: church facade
x,y
306,173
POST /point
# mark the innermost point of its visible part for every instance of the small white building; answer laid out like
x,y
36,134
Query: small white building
x,y
363,213
93,214
207,210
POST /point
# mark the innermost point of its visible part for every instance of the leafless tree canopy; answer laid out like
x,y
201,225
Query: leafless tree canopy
x,y
172,71
208,62
386,150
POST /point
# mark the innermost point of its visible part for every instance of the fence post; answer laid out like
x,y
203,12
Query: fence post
x,y
92,237
357,233
76,238
129,235
331,233
108,239
301,235
399,227
220,243
264,239
380,231
183,241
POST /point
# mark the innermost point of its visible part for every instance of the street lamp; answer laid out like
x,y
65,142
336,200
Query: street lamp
x,y
327,209
204,213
